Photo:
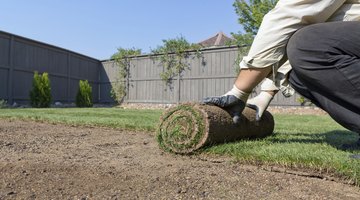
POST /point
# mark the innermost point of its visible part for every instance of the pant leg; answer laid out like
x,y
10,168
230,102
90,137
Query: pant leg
x,y
326,69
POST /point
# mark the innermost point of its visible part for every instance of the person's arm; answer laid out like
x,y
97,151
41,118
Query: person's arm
x,y
269,88
275,82
269,47
349,11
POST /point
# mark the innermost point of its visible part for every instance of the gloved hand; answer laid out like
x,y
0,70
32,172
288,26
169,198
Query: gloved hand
x,y
233,102
233,105
222,101
260,103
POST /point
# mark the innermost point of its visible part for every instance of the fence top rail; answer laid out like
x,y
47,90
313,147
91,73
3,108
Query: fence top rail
x,y
189,51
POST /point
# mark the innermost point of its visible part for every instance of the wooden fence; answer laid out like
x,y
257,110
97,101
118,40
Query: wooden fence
x,y
212,74
20,57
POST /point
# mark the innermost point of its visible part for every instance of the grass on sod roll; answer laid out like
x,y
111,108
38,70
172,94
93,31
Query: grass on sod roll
x,y
303,141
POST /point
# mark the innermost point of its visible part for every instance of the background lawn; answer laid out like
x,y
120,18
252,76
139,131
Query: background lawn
x,y
301,141
143,120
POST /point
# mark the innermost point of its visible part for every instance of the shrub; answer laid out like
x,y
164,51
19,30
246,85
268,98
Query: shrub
x,y
304,101
84,95
40,95
3,104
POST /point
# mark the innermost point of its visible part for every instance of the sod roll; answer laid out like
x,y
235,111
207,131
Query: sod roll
x,y
189,127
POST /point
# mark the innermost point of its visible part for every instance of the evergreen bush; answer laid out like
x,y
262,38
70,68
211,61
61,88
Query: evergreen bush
x,y
3,103
40,95
84,95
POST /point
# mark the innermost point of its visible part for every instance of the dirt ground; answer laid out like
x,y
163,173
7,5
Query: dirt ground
x,y
47,161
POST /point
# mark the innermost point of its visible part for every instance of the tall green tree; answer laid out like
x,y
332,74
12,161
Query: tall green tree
x,y
251,13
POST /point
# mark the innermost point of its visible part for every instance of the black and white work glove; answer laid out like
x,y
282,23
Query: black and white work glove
x,y
260,103
233,102
230,103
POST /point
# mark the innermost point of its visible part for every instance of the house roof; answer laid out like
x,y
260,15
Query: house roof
x,y
219,39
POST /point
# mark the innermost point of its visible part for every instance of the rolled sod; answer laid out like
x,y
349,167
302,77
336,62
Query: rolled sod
x,y
189,127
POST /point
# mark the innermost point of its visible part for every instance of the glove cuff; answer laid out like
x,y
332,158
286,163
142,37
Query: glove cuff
x,y
266,96
238,93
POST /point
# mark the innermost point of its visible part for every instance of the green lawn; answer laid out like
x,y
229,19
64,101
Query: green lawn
x,y
311,142
299,141
143,120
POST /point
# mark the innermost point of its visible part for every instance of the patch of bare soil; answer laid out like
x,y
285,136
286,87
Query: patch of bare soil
x,y
46,161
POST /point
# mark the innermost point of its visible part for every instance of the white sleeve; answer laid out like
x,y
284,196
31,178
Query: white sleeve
x,y
269,46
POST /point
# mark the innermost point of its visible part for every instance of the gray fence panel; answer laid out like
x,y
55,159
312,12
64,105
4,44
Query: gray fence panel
x,y
83,69
21,86
213,74
74,86
3,83
107,74
57,88
20,57
146,84
4,49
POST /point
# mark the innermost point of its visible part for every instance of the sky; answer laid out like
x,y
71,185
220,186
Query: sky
x,y
96,28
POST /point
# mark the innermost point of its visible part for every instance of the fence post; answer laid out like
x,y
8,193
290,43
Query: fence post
x,y
128,80
99,82
11,71
68,78
179,89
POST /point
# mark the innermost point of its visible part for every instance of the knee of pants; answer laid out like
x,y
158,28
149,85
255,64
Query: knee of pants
x,y
308,47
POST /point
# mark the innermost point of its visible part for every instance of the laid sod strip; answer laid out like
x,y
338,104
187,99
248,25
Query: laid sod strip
x,y
189,127
304,142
